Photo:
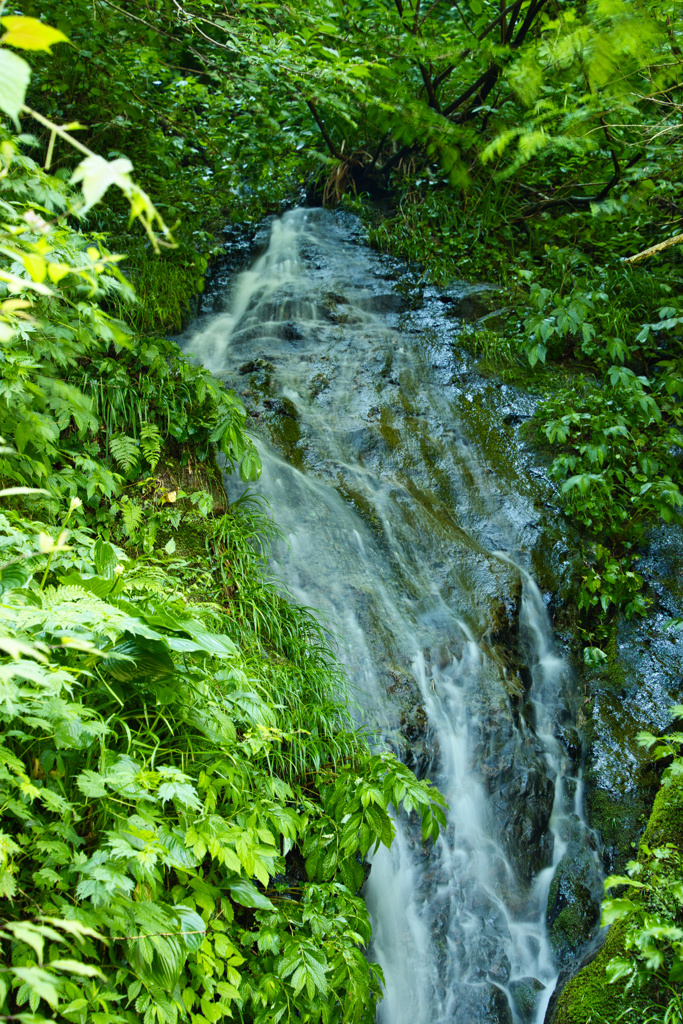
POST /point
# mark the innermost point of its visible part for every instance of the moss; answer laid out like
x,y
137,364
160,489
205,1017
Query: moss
x,y
618,820
178,469
569,929
589,996
282,421
666,821
391,435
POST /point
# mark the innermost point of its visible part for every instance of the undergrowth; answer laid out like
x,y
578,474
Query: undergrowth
x,y
186,805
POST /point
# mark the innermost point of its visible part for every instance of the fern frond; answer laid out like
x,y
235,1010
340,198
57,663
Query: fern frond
x,y
125,451
148,580
131,515
150,443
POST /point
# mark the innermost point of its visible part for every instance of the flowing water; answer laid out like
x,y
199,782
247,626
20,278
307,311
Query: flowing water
x,y
413,543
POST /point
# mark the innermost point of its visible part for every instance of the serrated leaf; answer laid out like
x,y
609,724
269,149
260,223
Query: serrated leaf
x,y
45,985
77,967
97,174
91,784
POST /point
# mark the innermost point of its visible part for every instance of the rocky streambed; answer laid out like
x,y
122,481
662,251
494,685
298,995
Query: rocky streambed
x,y
425,530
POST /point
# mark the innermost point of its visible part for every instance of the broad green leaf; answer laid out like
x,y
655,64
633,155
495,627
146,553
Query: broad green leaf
x,y
15,75
613,910
211,643
246,894
138,657
105,558
91,784
192,926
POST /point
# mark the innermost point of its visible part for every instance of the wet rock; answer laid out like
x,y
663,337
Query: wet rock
x,y
482,1004
290,332
524,992
282,420
416,746
573,901
633,693
523,806
499,969
571,741
256,366
282,407
391,302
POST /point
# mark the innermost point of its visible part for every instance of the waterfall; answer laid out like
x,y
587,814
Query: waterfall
x,y
413,544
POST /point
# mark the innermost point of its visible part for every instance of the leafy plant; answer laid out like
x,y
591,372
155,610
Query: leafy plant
x,y
651,903
171,733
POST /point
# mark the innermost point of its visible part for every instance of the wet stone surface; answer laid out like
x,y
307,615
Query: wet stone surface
x,y
414,510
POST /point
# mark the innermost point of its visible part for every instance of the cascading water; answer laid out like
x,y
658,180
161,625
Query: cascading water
x,y
412,545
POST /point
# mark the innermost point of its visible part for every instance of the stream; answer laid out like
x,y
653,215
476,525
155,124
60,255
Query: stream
x,y
411,512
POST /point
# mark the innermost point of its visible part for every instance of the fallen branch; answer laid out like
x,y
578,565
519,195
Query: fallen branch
x,y
676,240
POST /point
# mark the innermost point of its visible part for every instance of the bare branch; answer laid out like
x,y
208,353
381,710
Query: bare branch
x,y
676,240
328,141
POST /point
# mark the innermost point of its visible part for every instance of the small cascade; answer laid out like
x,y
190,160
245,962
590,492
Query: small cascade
x,y
395,524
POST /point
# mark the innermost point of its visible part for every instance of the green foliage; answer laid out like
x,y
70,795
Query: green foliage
x,y
175,735
161,769
650,902
82,397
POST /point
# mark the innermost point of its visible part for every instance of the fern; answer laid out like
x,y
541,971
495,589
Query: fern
x,y
131,514
125,451
150,443
149,580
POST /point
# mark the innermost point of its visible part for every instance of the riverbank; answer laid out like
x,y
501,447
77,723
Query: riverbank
x,y
180,761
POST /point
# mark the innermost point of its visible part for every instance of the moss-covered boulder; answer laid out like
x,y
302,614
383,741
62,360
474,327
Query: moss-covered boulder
x,y
589,995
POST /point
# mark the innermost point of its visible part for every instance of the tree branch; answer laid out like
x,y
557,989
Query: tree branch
x,y
330,145
531,16
474,89
440,79
395,159
487,80
496,21
429,86
676,240
604,192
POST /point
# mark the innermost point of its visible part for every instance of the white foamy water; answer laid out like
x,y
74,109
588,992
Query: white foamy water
x,y
399,534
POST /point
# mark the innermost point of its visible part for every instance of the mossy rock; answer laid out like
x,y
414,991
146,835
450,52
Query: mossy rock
x,y
281,418
666,821
619,822
573,925
589,996
524,992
